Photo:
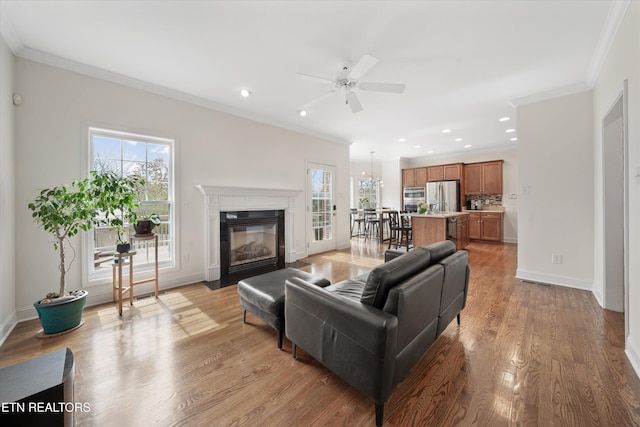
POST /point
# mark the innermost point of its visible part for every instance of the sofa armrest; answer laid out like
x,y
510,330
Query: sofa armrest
x,y
356,341
390,254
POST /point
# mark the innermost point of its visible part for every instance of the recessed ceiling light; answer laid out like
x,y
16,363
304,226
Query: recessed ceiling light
x,y
402,139
468,146
430,151
302,113
510,130
504,119
513,139
446,130
418,146
458,139
245,93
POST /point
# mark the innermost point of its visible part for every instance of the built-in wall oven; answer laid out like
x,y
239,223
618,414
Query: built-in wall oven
x,y
411,197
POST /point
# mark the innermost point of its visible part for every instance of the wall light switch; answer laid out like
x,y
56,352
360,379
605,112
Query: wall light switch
x,y
556,259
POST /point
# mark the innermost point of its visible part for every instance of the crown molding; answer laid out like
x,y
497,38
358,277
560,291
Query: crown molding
x,y
550,94
612,24
87,70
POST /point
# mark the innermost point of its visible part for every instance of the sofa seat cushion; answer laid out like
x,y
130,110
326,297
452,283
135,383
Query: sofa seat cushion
x,y
350,288
386,276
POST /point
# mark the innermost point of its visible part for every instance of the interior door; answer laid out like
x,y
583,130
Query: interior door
x,y
321,215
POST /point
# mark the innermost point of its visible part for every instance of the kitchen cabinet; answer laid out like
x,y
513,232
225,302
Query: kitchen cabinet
x,y
444,172
483,178
416,177
485,226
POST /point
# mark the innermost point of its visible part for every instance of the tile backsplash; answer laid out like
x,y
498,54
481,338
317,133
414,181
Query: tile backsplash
x,y
486,199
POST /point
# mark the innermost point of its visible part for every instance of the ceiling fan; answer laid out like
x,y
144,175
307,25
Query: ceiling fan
x,y
348,79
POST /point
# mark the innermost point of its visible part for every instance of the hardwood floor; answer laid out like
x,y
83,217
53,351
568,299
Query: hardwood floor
x,y
525,354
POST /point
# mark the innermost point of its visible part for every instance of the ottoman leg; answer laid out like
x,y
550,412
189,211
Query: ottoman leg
x,y
280,333
244,316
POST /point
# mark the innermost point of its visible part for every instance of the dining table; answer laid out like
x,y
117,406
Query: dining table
x,y
381,216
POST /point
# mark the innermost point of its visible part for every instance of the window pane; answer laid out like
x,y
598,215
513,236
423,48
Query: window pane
x,y
104,165
157,151
106,147
133,168
133,150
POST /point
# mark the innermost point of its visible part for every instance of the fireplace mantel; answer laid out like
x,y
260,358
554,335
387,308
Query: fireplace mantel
x,y
222,199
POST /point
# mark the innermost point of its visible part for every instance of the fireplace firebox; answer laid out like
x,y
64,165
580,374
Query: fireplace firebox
x,y
251,243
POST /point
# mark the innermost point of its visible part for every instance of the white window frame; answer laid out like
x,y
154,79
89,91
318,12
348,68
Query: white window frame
x,y
92,277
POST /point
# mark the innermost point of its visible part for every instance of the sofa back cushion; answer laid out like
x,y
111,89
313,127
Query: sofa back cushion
x,y
386,276
441,250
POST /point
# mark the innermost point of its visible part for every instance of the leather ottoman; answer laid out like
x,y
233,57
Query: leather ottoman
x,y
263,295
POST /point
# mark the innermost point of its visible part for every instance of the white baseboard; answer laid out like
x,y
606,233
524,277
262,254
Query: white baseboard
x,y
633,353
510,240
7,326
599,298
569,282
103,294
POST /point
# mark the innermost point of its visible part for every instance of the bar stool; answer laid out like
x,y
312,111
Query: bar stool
x,y
371,222
356,219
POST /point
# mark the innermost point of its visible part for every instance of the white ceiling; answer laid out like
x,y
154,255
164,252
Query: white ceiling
x,y
464,63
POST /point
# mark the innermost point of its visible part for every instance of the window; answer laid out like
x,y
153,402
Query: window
x,y
367,193
321,204
151,158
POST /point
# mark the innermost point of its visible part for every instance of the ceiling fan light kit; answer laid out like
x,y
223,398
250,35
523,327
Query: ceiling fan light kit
x,y
348,80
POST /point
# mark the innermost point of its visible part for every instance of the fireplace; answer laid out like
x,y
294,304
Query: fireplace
x,y
251,243
220,199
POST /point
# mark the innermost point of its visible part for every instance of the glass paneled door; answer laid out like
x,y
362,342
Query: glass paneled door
x,y
320,208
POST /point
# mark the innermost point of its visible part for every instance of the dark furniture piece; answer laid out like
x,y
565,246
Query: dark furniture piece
x,y
372,223
27,388
400,230
357,220
263,295
371,330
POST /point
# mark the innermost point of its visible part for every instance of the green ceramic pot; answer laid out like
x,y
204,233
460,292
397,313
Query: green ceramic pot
x,y
61,316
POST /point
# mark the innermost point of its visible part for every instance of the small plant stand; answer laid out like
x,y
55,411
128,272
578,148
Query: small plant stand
x,y
124,259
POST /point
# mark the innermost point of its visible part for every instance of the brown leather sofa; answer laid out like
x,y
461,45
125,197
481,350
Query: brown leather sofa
x,y
371,330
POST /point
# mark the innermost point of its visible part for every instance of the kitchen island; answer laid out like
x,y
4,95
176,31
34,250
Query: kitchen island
x,y
435,227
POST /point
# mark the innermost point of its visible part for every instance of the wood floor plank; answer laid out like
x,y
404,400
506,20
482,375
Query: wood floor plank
x,y
525,354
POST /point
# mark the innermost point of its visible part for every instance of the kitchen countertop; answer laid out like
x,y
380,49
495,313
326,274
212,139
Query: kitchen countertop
x,y
440,215
490,209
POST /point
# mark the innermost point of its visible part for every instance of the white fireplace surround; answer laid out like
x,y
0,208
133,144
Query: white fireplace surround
x,y
227,199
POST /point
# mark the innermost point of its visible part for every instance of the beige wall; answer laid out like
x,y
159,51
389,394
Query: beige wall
x,y
212,148
555,177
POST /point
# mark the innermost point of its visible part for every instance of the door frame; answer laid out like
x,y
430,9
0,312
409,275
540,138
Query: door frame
x,y
610,171
328,245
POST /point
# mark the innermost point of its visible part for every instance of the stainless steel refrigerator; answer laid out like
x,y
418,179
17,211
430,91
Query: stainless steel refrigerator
x,y
443,196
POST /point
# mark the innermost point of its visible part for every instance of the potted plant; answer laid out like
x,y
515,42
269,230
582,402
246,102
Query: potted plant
x,y
145,223
66,210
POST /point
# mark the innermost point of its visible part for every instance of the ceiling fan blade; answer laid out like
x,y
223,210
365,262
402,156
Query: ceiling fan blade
x,y
314,78
383,87
354,103
362,66
318,99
